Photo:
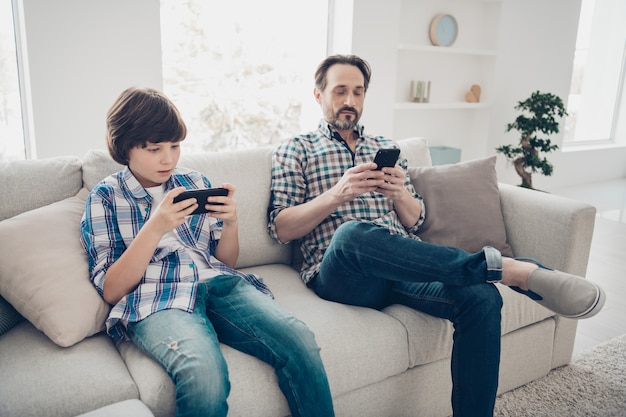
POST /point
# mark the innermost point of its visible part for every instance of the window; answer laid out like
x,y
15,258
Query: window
x,y
241,71
11,128
597,86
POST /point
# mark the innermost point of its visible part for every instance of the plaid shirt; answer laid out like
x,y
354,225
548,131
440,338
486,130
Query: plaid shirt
x,y
116,209
308,165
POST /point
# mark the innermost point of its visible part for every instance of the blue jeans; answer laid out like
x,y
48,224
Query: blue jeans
x,y
230,310
367,266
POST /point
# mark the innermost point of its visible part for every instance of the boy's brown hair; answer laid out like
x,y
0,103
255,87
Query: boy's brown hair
x,y
139,116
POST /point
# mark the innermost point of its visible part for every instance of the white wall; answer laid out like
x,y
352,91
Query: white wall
x,y
375,38
81,54
535,52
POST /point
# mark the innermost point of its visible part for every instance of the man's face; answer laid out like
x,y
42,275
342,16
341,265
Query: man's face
x,y
342,99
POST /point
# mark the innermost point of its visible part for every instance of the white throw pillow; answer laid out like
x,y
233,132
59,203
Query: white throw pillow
x,y
44,272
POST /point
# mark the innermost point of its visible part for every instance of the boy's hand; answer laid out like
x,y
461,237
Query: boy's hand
x,y
227,210
169,215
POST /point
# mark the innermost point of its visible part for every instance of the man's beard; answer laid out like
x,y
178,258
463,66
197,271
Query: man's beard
x,y
349,123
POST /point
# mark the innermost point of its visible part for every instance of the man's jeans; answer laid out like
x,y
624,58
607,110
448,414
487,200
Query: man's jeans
x,y
367,266
228,307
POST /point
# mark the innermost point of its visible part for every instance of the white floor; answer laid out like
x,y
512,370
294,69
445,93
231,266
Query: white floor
x,y
607,260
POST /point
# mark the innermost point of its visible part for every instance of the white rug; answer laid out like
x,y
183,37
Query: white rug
x,y
594,384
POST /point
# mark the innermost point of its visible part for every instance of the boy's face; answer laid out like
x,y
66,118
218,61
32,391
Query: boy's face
x,y
342,99
154,164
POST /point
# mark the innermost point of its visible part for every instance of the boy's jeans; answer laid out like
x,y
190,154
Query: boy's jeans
x,y
367,266
228,307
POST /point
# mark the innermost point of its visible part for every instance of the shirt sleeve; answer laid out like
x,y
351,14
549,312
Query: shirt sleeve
x,y
411,188
288,187
100,236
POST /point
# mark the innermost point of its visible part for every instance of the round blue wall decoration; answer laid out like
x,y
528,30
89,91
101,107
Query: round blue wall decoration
x,y
443,30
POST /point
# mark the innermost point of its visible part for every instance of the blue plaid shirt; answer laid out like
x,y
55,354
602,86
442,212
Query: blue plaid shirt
x,y
308,165
116,209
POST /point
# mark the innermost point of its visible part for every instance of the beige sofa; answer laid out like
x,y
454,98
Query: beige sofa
x,y
392,363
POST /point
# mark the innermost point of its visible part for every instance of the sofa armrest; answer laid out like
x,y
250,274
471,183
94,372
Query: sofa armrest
x,y
555,230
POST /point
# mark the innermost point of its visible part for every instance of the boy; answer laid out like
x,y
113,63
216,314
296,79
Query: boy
x,y
170,275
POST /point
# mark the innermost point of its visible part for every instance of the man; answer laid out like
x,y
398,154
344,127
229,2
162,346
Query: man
x,y
357,229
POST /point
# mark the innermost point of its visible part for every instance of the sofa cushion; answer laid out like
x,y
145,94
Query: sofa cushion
x,y
128,408
97,165
237,168
359,347
415,150
27,185
519,311
42,379
250,172
462,205
430,338
44,272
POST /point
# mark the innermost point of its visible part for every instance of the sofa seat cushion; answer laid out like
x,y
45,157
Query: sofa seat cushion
x,y
359,347
44,379
128,408
430,338
520,311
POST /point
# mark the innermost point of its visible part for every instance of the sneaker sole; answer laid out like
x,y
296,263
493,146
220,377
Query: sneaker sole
x,y
594,308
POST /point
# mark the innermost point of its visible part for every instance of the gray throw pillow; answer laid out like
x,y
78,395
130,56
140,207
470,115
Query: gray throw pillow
x,y
462,205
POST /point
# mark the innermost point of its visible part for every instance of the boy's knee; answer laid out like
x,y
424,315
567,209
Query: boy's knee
x,y
202,391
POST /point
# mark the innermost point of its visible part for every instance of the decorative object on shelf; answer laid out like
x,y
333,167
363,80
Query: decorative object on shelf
x,y
420,91
539,113
443,30
473,95
444,155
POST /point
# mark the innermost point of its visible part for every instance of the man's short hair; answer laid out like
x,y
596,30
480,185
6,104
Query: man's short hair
x,y
139,116
322,69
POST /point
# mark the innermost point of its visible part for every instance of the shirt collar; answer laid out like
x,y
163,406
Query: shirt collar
x,y
136,189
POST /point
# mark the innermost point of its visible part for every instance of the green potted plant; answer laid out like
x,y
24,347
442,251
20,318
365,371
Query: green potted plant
x,y
539,117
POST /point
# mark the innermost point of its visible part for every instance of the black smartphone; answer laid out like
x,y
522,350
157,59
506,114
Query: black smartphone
x,y
386,157
201,197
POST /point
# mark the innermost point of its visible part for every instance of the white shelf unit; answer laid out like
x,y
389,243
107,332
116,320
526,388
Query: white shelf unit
x,y
441,106
445,50
447,119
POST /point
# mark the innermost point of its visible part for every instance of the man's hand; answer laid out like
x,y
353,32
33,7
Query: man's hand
x,y
358,180
393,184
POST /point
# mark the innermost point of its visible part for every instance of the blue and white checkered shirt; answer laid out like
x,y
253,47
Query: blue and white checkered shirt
x,y
306,166
116,209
